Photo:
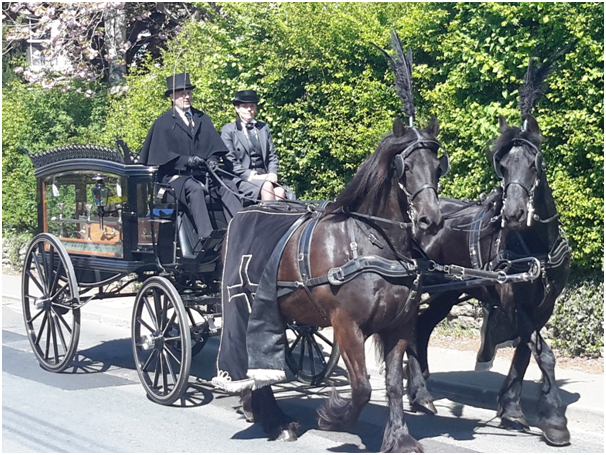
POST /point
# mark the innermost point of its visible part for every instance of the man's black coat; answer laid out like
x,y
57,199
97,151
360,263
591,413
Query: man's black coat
x,y
169,142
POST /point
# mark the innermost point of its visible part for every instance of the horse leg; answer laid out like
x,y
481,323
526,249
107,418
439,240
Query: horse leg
x,y
396,437
263,407
427,321
496,328
246,401
509,407
551,415
339,413
417,371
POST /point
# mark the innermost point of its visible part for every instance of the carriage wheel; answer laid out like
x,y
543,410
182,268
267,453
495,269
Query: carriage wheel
x,y
50,303
310,355
161,341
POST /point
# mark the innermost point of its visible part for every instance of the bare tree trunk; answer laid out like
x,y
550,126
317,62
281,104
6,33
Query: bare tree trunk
x,y
115,36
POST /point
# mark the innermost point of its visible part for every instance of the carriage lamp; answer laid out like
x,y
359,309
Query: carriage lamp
x,y
99,191
100,196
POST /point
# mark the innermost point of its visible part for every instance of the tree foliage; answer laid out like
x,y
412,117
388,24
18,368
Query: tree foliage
x,y
90,40
40,119
327,92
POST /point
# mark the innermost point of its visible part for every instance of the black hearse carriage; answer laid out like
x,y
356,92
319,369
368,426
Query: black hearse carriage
x,y
106,228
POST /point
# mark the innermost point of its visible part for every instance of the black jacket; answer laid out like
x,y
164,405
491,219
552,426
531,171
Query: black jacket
x,y
169,142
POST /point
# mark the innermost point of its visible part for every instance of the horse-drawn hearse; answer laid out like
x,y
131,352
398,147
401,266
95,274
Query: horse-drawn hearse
x,y
103,229
359,264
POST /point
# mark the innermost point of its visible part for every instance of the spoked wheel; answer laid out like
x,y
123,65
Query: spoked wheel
x,y
310,355
161,341
51,303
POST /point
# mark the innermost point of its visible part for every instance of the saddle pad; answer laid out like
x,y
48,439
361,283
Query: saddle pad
x,y
252,348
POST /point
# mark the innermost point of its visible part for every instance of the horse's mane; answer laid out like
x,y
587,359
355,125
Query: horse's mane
x,y
373,181
509,135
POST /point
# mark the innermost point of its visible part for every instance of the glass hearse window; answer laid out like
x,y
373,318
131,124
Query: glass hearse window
x,y
69,213
144,226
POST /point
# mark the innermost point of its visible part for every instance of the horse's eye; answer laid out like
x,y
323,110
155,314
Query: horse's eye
x,y
406,168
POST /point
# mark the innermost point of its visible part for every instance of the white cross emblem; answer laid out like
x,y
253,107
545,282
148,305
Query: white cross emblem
x,y
246,287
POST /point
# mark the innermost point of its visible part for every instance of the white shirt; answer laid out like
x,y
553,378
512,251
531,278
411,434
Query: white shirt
x,y
183,117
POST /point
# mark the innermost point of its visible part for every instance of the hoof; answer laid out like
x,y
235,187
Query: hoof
x,y
248,415
556,436
484,366
327,425
514,423
287,435
424,406
407,444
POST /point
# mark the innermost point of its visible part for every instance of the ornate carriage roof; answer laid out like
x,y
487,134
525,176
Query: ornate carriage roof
x,y
77,151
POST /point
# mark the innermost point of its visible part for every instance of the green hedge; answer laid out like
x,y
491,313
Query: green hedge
x,y
40,119
578,321
328,95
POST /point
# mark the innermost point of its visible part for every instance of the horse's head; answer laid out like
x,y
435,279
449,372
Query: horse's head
x,y
417,169
517,161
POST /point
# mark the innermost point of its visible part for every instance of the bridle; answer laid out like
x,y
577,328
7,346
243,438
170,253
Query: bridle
x,y
539,167
418,144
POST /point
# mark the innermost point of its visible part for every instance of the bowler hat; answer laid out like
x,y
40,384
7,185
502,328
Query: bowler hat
x,y
178,82
245,96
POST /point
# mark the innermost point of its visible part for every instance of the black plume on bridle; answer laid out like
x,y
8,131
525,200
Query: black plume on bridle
x,y
534,85
401,65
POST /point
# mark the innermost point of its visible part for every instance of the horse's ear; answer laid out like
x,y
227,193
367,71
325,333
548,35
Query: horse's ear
x,y
532,125
503,124
399,129
434,127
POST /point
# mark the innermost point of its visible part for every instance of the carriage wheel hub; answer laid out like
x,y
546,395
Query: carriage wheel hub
x,y
43,303
152,341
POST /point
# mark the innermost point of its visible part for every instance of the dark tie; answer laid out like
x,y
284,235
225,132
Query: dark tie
x,y
190,123
252,136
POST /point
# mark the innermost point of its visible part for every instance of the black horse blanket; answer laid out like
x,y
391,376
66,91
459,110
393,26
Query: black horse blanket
x,y
252,348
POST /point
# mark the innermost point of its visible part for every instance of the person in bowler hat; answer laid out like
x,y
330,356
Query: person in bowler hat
x,y
252,151
184,143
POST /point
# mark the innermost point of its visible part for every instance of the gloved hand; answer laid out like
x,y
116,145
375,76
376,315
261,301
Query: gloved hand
x,y
195,162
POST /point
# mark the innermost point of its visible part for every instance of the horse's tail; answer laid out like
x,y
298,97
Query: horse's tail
x,y
379,349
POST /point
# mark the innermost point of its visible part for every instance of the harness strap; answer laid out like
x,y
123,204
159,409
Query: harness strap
x,y
475,246
400,224
352,237
305,262
305,243
362,264
369,234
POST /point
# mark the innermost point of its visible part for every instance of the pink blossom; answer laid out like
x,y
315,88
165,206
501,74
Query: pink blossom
x,y
18,70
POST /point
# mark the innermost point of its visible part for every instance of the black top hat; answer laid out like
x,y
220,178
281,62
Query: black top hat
x,y
178,82
245,96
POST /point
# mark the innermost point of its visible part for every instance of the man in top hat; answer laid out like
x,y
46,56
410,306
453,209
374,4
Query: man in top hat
x,y
183,142
252,151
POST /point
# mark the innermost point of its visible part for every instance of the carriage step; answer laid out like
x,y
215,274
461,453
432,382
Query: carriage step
x,y
207,249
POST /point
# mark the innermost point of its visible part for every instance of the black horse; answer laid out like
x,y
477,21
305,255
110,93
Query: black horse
x,y
519,220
